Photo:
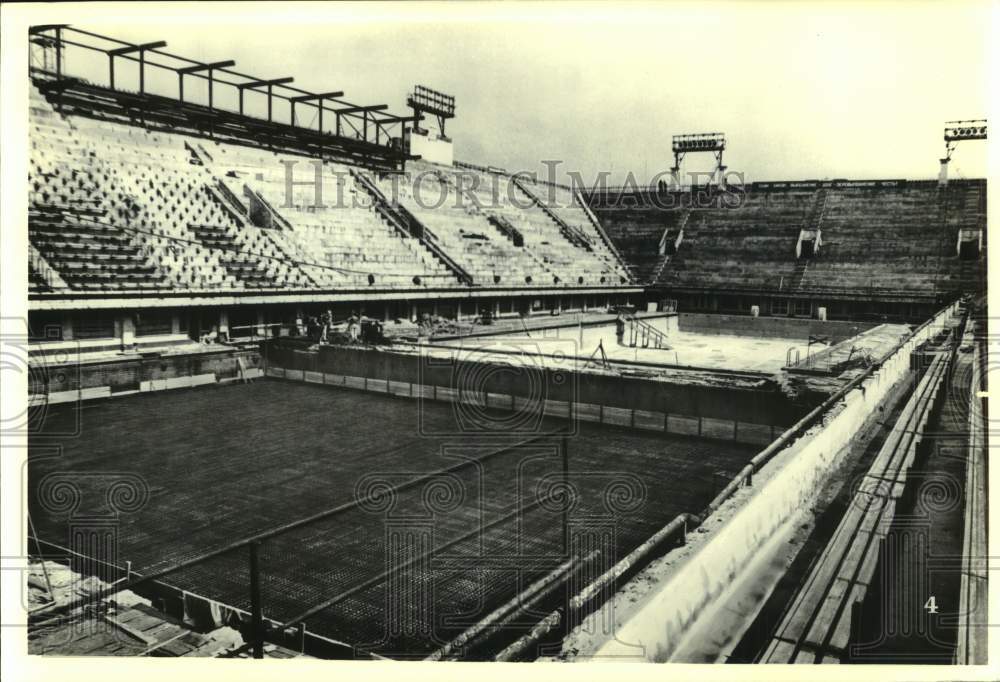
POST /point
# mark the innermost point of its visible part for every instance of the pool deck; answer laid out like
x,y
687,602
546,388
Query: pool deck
x,y
686,349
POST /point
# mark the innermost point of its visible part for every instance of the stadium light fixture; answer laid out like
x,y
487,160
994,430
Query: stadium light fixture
x,y
955,132
714,143
426,100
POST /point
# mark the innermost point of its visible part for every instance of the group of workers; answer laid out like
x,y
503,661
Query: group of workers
x,y
359,329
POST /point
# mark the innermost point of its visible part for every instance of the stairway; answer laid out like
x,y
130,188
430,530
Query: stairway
x,y
41,275
408,226
284,263
245,267
800,271
812,228
572,234
667,252
643,333
506,229
969,275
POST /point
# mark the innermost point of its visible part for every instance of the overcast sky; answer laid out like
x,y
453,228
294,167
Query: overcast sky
x,y
822,90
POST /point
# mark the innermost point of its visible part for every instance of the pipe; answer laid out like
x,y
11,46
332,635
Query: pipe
x,y
544,627
264,535
551,621
256,607
534,601
634,557
744,474
371,582
517,602
807,421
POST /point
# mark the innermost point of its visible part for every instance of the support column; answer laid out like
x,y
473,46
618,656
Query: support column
x,y
128,331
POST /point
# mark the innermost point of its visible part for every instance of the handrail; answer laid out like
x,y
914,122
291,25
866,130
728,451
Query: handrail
x,y
276,217
826,289
48,273
601,231
572,234
229,201
80,97
648,330
505,226
407,224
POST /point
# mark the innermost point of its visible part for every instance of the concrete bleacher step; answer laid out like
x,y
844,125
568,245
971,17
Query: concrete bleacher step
x,y
818,625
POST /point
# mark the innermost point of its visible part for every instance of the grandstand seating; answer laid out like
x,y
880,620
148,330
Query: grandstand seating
x,y
547,255
430,194
878,238
637,235
338,242
116,206
36,283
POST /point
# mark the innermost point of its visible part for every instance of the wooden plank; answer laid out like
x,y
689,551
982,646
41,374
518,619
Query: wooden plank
x,y
804,656
145,622
827,613
89,644
163,631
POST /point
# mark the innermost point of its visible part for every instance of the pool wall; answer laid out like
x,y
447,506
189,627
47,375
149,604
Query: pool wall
x,y
769,327
66,379
751,412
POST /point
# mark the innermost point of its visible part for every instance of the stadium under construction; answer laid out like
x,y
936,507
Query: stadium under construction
x,y
304,384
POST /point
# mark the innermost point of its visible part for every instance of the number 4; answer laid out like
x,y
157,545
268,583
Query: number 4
x,y
931,605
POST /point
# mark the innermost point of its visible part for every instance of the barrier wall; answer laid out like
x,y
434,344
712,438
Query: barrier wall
x,y
718,411
67,381
661,621
769,327
539,408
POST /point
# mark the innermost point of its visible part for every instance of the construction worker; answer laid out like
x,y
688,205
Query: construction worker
x,y
620,328
353,327
327,321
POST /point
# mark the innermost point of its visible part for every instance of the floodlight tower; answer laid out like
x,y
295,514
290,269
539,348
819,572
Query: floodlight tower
x,y
955,132
434,147
423,100
714,143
